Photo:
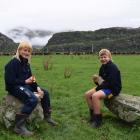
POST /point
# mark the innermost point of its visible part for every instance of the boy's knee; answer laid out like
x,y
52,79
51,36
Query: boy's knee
x,y
89,94
95,96
98,95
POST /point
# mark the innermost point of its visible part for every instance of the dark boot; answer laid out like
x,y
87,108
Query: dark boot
x,y
47,117
97,120
20,128
91,115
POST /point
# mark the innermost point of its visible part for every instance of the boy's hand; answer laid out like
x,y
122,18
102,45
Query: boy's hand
x,y
98,80
95,78
29,80
38,96
33,78
40,92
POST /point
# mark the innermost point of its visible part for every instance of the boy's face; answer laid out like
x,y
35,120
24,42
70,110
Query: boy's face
x,y
104,59
25,52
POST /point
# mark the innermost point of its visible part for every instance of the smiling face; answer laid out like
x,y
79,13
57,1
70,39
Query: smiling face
x,y
104,59
25,52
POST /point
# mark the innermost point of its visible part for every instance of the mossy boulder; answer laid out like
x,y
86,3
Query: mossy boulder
x,y
10,106
126,107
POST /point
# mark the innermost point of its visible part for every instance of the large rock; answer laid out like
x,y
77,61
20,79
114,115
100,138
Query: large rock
x,y
10,106
126,107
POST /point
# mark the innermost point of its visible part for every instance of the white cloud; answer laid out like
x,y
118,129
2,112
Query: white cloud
x,y
69,14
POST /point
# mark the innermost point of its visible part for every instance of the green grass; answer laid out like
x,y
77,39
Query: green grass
x,y
67,98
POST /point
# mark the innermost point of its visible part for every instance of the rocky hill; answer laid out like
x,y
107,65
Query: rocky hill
x,y
7,45
117,39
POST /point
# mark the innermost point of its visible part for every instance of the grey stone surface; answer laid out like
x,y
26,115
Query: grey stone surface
x,y
9,106
126,107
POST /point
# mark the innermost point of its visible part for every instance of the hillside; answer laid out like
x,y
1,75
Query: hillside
x,y
117,39
7,45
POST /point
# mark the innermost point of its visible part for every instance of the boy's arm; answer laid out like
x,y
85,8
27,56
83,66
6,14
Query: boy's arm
x,y
10,74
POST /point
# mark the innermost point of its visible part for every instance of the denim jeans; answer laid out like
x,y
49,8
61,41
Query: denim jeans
x,y
25,94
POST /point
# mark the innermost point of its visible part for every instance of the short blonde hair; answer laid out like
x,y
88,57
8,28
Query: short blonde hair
x,y
23,44
105,52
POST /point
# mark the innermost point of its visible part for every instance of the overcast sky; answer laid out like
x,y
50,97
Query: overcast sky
x,y
69,14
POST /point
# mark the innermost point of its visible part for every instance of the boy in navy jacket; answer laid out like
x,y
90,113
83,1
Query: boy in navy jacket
x,y
110,86
22,84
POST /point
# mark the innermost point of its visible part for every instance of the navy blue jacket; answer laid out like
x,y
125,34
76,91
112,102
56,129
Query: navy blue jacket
x,y
16,72
111,74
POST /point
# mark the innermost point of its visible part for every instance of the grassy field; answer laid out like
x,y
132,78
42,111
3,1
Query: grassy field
x,y
67,98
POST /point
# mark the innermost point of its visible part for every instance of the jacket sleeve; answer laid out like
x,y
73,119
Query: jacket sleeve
x,y
11,70
111,79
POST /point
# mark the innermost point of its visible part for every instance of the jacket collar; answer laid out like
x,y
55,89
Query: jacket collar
x,y
23,60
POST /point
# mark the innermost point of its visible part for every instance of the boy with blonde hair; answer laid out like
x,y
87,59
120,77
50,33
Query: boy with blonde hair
x,y
21,84
109,84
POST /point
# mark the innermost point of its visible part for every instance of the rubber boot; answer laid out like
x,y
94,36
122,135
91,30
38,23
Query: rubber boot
x,y
47,117
97,120
91,115
20,128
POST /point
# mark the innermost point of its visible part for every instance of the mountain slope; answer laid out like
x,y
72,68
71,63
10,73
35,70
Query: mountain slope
x,y
117,39
7,45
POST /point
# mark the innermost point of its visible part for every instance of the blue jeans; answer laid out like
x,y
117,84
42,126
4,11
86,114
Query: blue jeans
x,y
25,94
